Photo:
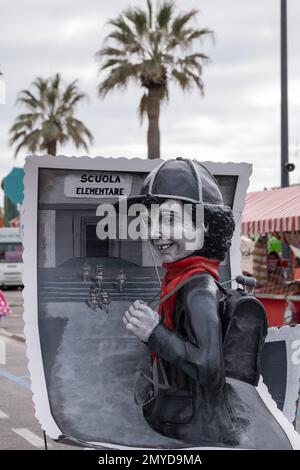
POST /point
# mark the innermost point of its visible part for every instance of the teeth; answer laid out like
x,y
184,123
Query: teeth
x,y
164,247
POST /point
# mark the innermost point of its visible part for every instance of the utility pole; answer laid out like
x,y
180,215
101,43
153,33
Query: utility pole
x,y
284,99
285,180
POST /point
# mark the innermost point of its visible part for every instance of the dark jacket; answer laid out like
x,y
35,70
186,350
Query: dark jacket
x,y
195,408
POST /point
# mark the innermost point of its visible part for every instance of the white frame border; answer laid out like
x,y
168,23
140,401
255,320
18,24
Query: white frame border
x,y
292,389
29,221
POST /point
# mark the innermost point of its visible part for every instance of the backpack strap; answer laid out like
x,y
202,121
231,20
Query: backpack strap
x,y
157,364
184,282
156,385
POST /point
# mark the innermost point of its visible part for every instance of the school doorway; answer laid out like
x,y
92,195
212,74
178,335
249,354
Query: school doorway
x,y
94,247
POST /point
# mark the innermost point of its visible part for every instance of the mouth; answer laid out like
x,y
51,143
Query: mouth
x,y
162,247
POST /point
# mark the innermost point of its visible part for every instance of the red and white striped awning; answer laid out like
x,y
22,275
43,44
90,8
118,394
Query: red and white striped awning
x,y
272,211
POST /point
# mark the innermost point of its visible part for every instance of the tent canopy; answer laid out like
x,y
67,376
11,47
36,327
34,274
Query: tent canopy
x,y
13,185
272,211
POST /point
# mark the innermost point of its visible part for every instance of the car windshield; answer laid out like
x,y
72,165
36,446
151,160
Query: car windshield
x,y
11,252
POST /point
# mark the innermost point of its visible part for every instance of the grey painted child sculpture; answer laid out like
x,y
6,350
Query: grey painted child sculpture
x,y
199,405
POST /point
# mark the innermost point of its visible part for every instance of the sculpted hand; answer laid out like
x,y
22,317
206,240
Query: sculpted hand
x,y
140,320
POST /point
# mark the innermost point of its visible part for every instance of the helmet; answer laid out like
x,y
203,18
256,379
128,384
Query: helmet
x,y
183,179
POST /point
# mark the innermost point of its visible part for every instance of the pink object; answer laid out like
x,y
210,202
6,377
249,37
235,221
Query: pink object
x,y
4,305
272,211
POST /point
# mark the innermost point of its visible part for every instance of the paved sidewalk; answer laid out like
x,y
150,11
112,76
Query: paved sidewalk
x,y
13,325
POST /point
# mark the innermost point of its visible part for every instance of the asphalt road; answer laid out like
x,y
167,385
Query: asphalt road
x,y
19,428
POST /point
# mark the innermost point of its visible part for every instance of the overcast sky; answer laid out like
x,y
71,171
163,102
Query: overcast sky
x,y
237,120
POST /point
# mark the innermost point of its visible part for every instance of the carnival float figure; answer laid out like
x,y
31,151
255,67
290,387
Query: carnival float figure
x,y
202,393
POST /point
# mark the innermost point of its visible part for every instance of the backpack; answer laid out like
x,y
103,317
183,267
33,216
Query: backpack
x,y
244,328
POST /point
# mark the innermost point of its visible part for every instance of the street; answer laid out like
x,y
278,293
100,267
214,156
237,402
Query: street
x,y
19,428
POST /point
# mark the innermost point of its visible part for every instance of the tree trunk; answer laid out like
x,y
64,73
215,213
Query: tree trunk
x,y
51,148
153,108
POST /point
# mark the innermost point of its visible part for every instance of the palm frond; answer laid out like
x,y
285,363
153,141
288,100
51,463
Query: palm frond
x,y
164,14
181,20
150,14
194,60
110,51
41,86
199,34
112,62
76,130
196,78
122,27
121,38
27,98
32,140
186,38
81,128
119,77
138,18
181,78
55,81
16,136
18,148
142,109
70,91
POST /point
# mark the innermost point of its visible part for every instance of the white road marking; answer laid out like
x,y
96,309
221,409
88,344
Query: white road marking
x,y
2,352
30,437
3,415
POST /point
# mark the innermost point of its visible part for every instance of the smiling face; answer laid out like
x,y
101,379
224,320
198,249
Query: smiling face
x,y
172,234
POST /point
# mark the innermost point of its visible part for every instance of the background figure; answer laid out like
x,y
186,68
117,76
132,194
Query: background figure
x,y
104,300
99,275
92,300
276,273
86,270
121,280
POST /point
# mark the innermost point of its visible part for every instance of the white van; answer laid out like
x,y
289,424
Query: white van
x,y
11,263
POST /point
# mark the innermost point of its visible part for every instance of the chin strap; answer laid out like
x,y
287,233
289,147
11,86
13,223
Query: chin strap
x,y
152,255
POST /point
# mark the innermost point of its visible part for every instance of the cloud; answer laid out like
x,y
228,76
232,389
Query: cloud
x,y
237,120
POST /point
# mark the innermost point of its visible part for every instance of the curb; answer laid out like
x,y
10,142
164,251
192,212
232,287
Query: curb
x,y
17,337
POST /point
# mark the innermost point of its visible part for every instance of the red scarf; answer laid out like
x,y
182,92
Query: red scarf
x,y
177,272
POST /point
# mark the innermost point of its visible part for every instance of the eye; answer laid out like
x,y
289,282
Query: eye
x,y
167,217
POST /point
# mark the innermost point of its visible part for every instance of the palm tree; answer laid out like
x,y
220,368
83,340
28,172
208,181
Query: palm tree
x,y
152,49
50,118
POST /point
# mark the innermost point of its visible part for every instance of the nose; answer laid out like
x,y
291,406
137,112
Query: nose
x,y
155,228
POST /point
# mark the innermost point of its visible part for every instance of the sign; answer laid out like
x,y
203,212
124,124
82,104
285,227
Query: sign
x,y
83,362
97,185
281,367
